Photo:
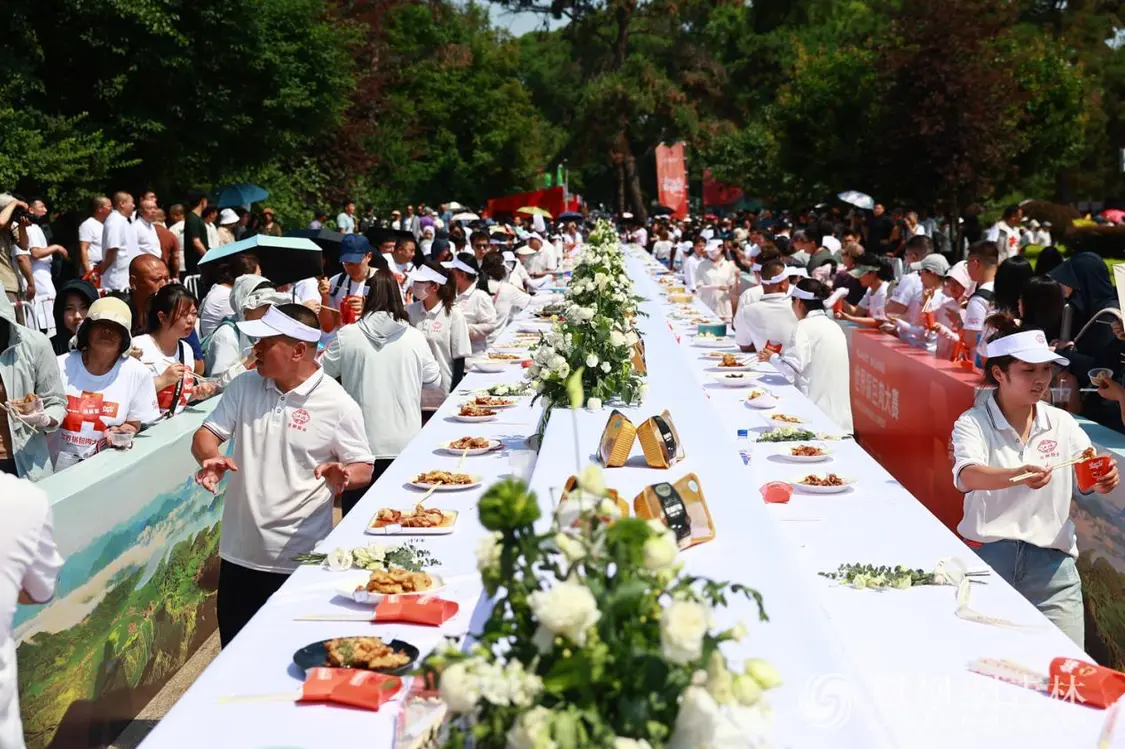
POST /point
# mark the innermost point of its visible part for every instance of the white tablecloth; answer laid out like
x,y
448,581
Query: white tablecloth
x,y
862,669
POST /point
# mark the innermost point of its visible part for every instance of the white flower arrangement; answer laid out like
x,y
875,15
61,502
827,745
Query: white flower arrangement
x,y
597,638
596,334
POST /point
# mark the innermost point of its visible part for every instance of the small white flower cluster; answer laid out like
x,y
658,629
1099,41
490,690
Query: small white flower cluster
x,y
465,683
488,551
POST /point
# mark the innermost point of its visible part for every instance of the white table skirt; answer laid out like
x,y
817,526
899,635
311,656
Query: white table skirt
x,y
862,669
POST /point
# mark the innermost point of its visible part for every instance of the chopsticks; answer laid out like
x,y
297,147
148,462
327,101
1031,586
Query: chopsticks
x,y
1029,474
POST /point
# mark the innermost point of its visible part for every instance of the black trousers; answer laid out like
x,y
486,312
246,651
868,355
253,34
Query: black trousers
x,y
8,465
242,591
349,497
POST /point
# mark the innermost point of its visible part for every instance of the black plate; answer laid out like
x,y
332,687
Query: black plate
x,y
315,655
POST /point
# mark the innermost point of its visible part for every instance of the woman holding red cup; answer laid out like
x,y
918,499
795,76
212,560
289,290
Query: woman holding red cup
x,y
1017,506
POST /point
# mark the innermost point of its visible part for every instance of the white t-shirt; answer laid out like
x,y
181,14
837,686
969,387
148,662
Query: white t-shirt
x,y
875,303
690,263
157,361
542,261
769,320
909,293
816,355
40,267
386,382
275,508
306,290
117,233
148,241
714,280
751,295
341,285
124,393
214,308
29,561
90,231
480,314
982,436
662,249
177,230
509,301
976,311
448,336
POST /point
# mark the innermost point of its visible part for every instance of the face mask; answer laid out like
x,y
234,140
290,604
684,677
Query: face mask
x,y
421,291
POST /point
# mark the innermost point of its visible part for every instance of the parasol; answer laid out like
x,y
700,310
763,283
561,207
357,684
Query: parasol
x,y
858,199
238,194
466,216
534,210
284,260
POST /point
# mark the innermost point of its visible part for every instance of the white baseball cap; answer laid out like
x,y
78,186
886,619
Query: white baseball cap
x,y
830,243
1029,346
275,322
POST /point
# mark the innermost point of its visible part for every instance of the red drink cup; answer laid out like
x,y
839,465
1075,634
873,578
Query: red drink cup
x,y
776,492
347,314
1090,471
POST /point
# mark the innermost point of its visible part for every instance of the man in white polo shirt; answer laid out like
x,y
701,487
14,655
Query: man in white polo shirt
x,y
119,244
298,439
771,318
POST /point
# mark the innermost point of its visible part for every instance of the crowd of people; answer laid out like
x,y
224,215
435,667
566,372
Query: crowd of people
x,y
1047,338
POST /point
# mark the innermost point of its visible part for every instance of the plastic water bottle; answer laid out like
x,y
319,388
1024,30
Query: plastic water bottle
x,y
744,446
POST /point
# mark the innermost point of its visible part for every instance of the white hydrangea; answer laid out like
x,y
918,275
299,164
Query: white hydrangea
x,y
532,730
616,338
458,688
488,551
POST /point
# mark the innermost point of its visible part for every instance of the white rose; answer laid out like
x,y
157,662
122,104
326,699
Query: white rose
x,y
763,672
616,338
557,363
339,560
698,721
571,547
568,609
459,689
631,338
594,403
532,730
606,367
660,550
746,690
592,360
592,480
682,627
564,370
720,681
607,508
488,551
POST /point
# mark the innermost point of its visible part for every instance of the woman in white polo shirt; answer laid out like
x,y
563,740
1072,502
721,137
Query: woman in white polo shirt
x,y
383,364
475,304
444,327
1024,526
298,439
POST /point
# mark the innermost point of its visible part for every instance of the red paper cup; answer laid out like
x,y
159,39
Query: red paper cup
x,y
347,314
839,305
776,492
1090,471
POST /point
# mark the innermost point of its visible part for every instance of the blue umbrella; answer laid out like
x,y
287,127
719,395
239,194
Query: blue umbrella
x,y
571,216
284,260
240,194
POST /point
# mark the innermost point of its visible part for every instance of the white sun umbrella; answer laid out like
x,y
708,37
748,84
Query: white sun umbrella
x,y
454,206
858,199
466,216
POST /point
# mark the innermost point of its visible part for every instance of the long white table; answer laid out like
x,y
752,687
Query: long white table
x,y
908,648
862,669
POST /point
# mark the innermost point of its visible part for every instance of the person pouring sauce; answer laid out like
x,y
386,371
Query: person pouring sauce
x,y
1024,524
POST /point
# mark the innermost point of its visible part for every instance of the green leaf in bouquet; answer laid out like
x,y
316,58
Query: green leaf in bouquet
x,y
568,673
508,505
628,596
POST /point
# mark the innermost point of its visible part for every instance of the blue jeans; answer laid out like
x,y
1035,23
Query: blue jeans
x,y
1046,577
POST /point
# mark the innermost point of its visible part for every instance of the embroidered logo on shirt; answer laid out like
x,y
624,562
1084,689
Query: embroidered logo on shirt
x,y
301,416
1047,446
436,326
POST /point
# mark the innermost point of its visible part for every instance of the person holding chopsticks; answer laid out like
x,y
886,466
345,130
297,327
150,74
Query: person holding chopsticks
x,y
1006,452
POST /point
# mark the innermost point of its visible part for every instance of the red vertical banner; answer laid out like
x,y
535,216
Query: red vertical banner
x,y
671,178
719,194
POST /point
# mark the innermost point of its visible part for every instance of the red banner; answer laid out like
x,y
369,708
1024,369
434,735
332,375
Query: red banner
x,y
671,179
553,200
904,403
718,194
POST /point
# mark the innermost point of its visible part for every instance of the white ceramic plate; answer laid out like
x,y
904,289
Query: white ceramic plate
x,y
398,530
506,405
795,482
473,419
786,455
346,588
486,360
764,401
786,423
487,367
714,342
744,381
741,368
448,447
449,487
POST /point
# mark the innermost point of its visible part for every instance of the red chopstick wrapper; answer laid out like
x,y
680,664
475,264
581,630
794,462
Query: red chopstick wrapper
x,y
349,686
1085,683
425,610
